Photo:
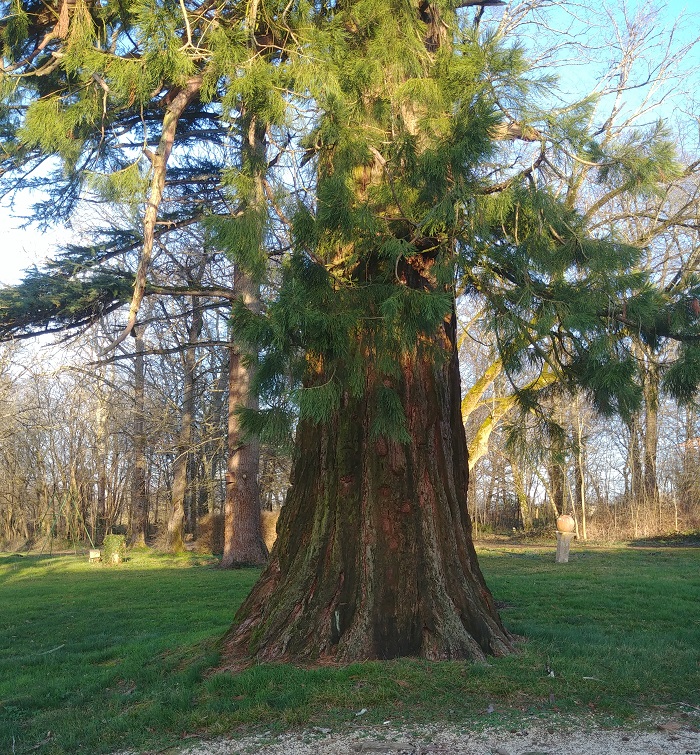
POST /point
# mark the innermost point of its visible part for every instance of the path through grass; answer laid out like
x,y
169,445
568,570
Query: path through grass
x,y
95,659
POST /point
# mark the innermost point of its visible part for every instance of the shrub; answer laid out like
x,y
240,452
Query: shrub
x,y
114,549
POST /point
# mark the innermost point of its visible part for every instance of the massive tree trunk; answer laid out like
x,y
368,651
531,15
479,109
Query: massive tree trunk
x,y
374,557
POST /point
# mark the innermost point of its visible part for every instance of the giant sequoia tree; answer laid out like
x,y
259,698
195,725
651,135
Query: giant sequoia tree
x,y
395,125
374,557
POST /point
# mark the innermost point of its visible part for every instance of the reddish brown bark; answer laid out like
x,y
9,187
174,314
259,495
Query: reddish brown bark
x,y
374,557
243,540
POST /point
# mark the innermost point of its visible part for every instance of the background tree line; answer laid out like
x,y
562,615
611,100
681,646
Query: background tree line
x,y
73,440
68,456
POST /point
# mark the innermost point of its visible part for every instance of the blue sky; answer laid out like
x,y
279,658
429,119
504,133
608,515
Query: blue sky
x,y
22,247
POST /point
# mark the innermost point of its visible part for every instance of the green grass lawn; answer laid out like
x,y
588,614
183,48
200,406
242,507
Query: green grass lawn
x,y
95,659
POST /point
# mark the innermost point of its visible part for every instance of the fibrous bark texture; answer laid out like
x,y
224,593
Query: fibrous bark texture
x,y
374,558
243,540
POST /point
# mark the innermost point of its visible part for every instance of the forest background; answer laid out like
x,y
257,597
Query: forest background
x,y
90,445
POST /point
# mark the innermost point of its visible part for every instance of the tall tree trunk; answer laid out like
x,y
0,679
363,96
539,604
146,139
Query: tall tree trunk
x,y
556,486
581,493
634,461
98,525
689,469
374,557
651,433
139,497
175,541
580,467
521,493
243,540
178,99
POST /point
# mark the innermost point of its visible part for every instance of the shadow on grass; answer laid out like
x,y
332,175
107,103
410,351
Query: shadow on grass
x,y
676,540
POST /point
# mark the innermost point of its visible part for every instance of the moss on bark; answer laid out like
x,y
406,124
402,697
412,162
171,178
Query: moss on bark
x,y
374,558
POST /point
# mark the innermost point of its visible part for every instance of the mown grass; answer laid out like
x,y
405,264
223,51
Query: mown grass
x,y
95,659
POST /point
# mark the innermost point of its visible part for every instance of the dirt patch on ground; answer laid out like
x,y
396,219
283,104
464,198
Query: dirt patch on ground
x,y
674,737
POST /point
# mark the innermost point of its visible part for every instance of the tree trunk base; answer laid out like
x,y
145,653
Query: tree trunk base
x,y
374,558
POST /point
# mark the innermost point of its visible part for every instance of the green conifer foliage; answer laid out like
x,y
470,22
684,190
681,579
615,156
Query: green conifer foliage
x,y
106,99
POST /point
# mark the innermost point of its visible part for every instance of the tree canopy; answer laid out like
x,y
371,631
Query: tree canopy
x,y
96,98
